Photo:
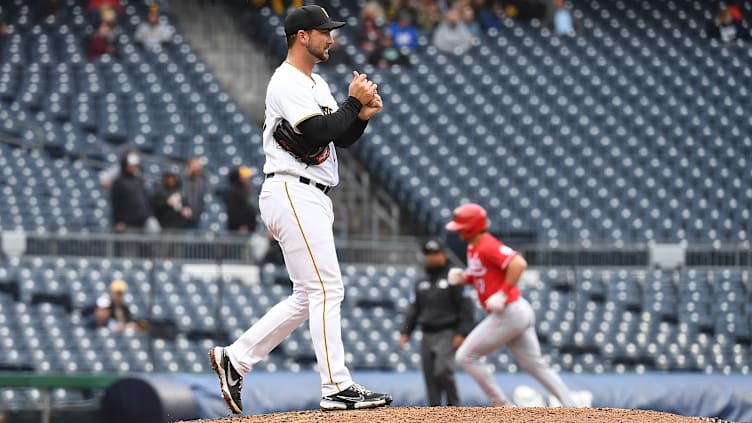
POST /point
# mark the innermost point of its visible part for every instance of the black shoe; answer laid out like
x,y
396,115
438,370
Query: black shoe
x,y
230,380
355,397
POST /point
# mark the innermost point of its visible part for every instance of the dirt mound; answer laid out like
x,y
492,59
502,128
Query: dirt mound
x,y
470,414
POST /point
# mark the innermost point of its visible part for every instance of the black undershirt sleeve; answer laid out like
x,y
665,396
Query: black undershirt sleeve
x,y
352,134
343,126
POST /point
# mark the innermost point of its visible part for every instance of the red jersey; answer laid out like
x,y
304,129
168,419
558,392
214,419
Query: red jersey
x,y
487,268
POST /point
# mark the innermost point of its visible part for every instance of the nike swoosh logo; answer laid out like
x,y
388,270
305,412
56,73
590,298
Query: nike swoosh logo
x,y
355,399
230,380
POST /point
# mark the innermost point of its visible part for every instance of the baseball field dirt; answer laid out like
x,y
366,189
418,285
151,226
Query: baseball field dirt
x,y
469,414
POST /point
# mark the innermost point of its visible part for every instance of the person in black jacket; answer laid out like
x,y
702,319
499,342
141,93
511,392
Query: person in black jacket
x,y
445,315
195,189
241,210
167,202
130,204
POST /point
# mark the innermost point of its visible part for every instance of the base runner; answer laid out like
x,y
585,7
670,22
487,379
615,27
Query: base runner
x,y
494,270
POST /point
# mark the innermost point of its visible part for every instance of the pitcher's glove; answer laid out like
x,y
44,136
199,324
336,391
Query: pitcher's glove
x,y
295,144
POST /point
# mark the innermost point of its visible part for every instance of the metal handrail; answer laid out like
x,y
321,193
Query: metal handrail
x,y
234,247
203,247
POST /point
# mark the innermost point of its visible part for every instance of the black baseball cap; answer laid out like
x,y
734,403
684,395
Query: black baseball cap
x,y
309,17
433,246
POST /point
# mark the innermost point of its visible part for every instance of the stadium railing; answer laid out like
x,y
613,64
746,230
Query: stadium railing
x,y
223,247
228,247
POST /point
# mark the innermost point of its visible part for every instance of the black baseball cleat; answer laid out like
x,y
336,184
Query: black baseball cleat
x,y
230,380
355,397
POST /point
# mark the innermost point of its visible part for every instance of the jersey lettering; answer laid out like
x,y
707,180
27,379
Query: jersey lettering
x,y
475,266
480,285
486,267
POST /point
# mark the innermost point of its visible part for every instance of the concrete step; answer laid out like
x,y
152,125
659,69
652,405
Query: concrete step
x,y
241,68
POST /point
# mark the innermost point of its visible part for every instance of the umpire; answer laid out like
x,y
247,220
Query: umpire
x,y
445,316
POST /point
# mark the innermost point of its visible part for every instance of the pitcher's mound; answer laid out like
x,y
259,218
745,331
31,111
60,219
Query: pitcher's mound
x,y
469,414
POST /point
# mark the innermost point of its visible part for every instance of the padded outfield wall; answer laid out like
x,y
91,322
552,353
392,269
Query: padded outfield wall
x,y
728,397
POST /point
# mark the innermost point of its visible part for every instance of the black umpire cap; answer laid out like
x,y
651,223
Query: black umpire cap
x,y
309,17
433,246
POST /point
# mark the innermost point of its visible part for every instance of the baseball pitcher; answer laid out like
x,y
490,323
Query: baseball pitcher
x,y
303,126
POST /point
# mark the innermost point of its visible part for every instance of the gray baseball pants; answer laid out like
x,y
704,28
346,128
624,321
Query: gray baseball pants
x,y
515,329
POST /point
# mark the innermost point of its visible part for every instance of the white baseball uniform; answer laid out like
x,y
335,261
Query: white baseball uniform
x,y
300,216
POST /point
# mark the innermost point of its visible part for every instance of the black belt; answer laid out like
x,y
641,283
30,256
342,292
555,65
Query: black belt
x,y
438,328
303,180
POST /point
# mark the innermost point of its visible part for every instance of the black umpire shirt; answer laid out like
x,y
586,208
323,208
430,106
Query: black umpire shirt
x,y
435,305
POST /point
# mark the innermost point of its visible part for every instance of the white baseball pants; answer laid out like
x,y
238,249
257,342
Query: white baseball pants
x,y
515,329
300,217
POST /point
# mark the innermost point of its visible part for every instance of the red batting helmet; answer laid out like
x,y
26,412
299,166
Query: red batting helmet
x,y
469,220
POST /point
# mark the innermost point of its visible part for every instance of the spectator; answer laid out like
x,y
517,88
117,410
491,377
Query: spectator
x,y
369,35
467,16
726,28
404,33
735,10
95,5
427,15
154,32
108,15
194,192
167,202
452,36
3,27
241,209
161,4
526,9
119,310
373,9
104,11
100,43
130,204
560,20
101,317
281,6
278,6
488,15
385,54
